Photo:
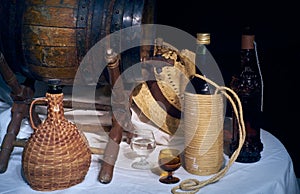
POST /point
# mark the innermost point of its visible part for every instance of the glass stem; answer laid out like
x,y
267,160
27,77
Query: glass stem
x,y
143,160
170,175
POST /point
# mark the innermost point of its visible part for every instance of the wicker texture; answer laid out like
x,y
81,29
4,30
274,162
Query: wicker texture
x,y
56,155
171,82
191,186
203,132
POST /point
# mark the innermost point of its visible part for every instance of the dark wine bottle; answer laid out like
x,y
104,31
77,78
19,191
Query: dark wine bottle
x,y
248,85
198,85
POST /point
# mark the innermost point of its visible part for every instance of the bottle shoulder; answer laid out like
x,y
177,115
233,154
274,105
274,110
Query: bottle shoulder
x,y
197,86
249,60
246,84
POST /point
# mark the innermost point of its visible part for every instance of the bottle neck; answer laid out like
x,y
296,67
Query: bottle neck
x,y
201,57
247,42
201,49
54,89
202,41
55,105
197,85
248,53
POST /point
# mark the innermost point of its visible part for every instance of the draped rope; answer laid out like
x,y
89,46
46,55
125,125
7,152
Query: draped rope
x,y
191,186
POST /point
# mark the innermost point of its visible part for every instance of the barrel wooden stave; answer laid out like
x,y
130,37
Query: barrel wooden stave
x,y
51,37
49,40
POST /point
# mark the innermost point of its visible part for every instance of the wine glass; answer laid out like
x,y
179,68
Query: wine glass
x,y
169,160
143,143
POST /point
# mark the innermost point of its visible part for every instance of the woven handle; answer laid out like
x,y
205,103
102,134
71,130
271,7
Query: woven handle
x,y
30,111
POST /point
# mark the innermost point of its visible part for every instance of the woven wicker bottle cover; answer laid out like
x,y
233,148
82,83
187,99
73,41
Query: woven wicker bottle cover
x,y
56,156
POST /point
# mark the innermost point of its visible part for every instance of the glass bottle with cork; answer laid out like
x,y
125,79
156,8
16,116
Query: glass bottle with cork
x,y
248,85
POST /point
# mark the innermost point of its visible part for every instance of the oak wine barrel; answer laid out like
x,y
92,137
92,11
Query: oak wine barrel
x,y
48,39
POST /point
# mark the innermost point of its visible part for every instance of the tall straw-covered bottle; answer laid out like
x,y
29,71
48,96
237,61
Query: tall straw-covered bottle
x,y
248,85
203,118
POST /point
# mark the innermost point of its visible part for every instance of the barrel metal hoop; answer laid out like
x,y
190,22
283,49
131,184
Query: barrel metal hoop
x,y
81,25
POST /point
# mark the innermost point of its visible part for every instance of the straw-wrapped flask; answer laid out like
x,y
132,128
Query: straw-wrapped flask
x,y
56,155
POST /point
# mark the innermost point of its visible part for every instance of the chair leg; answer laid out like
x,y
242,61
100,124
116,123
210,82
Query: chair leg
x,y
110,154
13,129
21,95
121,118
19,111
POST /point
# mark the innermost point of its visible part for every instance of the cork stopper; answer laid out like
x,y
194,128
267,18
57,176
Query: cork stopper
x,y
247,42
54,86
203,38
248,38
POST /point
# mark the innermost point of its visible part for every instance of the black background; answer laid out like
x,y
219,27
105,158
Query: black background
x,y
276,28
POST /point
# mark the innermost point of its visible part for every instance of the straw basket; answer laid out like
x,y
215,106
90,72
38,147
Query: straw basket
x,y
171,82
56,156
203,132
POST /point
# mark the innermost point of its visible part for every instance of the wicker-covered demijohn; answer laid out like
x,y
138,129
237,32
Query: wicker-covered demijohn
x,y
56,156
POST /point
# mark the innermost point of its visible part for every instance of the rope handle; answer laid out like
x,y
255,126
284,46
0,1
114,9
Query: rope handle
x,y
31,108
191,186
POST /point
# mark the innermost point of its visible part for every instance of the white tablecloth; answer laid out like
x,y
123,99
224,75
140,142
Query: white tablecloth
x,y
273,174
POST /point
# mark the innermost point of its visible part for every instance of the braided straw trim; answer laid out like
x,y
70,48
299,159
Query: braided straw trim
x,y
191,186
172,80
